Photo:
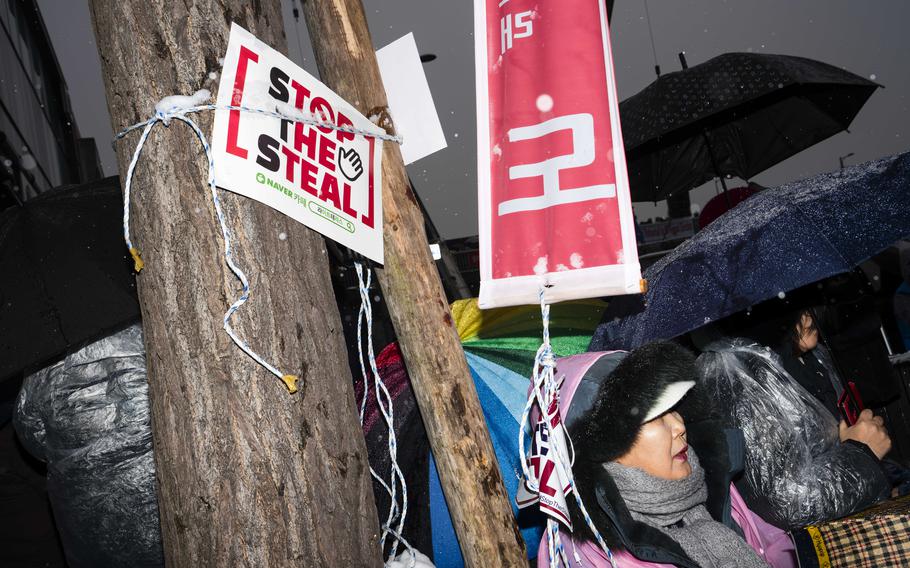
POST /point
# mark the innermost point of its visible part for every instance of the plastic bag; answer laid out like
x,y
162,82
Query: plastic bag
x,y
797,472
88,418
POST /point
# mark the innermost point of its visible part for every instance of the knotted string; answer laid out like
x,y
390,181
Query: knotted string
x,y
180,113
546,388
384,403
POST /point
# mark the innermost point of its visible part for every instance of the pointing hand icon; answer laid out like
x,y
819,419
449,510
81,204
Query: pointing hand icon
x,y
350,164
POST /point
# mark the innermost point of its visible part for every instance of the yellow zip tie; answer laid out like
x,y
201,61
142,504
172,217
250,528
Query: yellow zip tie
x,y
291,382
136,259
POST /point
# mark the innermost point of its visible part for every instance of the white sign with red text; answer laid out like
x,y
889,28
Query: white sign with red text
x,y
555,212
327,179
552,476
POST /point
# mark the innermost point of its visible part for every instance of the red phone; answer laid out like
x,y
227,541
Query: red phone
x,y
850,404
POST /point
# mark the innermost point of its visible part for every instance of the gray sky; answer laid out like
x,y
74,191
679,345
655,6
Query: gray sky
x,y
868,38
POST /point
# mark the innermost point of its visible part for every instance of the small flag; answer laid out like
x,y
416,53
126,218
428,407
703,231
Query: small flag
x,y
549,467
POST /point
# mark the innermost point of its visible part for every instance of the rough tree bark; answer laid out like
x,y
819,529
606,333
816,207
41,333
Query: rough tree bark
x,y
436,363
248,474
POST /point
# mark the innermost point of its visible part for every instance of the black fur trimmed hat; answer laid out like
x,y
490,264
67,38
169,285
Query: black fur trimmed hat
x,y
616,395
646,383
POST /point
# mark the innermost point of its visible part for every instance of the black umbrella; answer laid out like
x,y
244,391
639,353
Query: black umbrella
x,y
737,114
776,241
66,274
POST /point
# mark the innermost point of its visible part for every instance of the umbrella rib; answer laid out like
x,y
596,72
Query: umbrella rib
x,y
820,235
771,121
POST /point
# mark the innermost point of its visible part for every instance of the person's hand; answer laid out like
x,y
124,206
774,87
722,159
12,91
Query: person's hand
x,y
867,414
870,430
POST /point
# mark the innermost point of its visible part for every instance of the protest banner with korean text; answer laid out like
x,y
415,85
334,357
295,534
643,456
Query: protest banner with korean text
x,y
554,205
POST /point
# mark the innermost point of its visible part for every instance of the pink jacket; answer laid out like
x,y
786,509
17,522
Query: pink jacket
x,y
770,542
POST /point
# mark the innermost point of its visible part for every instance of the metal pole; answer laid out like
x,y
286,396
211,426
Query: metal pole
x,y
717,172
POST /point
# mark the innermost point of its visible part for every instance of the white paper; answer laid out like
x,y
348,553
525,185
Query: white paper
x,y
410,100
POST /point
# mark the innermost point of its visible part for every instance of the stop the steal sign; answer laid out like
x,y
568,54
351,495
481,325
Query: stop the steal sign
x,y
327,179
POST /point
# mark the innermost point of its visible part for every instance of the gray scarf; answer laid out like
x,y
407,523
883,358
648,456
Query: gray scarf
x,y
663,503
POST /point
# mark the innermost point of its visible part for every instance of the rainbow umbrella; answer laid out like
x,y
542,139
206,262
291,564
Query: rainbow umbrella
x,y
500,346
510,336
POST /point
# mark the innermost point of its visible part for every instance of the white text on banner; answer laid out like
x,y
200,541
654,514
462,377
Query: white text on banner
x,y
553,194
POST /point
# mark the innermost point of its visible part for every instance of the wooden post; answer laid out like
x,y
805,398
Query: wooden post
x,y
248,474
452,277
439,373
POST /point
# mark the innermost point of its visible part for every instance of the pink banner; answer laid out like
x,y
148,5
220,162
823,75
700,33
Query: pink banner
x,y
554,207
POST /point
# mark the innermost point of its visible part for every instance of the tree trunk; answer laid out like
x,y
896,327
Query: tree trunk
x,y
436,363
248,474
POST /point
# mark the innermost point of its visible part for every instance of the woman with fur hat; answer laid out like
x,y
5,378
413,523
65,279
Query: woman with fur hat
x,y
645,488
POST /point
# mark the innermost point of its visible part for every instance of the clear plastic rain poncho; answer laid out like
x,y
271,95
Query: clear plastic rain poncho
x,y
88,418
797,471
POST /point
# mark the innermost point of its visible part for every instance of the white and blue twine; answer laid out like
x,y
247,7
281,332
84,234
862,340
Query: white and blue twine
x,y
545,387
384,403
180,113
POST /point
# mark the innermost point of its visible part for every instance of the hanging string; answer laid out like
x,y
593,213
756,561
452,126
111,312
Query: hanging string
x,y
283,112
545,389
179,111
651,34
384,403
